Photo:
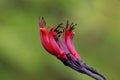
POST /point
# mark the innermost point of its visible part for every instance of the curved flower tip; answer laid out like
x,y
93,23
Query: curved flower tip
x,y
42,22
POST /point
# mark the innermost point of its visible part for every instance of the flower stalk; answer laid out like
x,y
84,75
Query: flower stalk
x,y
58,42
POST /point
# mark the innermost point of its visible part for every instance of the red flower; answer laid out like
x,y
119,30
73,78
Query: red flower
x,y
63,48
52,42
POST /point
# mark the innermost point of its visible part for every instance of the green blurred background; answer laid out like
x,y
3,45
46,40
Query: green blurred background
x,y
97,38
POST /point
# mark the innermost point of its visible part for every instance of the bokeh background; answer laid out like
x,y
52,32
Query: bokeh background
x,y
97,38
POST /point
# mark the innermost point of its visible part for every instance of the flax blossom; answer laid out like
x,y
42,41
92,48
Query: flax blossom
x,y
58,41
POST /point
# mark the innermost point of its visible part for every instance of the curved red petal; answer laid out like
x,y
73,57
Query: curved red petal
x,y
45,40
59,52
44,36
68,39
